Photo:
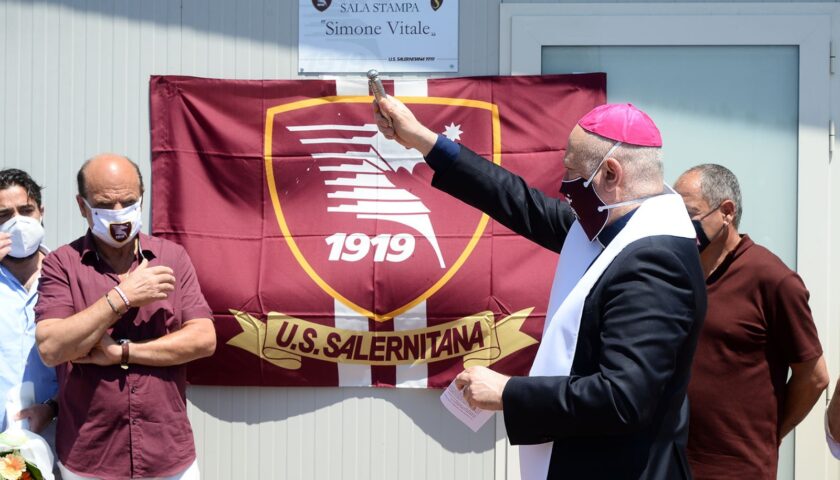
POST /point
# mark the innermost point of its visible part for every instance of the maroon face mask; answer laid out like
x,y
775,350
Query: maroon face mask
x,y
591,212
585,202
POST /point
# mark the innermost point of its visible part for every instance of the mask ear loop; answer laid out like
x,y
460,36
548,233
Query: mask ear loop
x,y
90,208
709,213
609,152
640,199
140,256
627,202
718,233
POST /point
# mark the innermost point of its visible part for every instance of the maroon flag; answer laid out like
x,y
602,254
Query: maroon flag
x,y
325,254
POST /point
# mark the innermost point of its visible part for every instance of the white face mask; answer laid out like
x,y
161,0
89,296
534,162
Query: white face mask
x,y
27,234
115,227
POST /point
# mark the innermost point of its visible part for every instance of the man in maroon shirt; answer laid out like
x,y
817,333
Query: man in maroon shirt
x,y
120,313
758,325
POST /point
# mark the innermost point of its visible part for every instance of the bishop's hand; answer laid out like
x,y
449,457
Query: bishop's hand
x,y
403,126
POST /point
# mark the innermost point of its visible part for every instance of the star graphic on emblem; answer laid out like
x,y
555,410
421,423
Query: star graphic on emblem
x,y
453,132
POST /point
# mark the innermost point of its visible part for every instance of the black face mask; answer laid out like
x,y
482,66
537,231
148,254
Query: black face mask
x,y
702,239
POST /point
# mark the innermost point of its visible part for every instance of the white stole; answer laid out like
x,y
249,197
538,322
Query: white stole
x,y
660,215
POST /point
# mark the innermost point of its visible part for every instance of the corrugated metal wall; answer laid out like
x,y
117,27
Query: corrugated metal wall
x,y
74,82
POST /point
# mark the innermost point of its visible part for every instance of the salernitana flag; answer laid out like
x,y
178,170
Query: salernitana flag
x,y
327,257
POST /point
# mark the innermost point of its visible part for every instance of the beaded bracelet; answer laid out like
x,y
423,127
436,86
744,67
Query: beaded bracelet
x,y
122,295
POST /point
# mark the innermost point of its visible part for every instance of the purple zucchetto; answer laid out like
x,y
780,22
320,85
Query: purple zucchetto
x,y
624,123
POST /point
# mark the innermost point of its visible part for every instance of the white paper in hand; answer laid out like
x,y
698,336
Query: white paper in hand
x,y
18,398
453,400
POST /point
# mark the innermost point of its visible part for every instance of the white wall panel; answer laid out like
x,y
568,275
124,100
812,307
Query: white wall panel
x,y
348,433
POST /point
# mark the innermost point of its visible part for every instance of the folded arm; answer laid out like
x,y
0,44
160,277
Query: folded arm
x,y
196,339
65,339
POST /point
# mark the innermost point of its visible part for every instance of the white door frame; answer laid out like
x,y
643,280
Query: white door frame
x,y
526,28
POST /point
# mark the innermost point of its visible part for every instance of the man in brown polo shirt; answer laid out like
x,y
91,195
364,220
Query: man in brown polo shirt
x,y
119,314
758,325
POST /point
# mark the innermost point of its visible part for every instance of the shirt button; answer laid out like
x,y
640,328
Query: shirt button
x,y
133,389
134,421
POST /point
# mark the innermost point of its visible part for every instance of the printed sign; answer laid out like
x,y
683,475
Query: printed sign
x,y
388,35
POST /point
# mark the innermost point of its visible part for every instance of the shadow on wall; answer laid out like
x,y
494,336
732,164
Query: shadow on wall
x,y
349,410
267,21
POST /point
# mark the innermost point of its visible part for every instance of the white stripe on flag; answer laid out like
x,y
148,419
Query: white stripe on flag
x,y
351,86
351,375
362,180
373,194
360,375
350,167
411,88
363,206
412,375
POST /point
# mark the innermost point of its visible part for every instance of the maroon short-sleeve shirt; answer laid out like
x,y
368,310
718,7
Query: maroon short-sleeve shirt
x,y
758,323
117,423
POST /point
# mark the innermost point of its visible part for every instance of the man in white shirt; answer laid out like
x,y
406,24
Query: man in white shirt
x,y
21,253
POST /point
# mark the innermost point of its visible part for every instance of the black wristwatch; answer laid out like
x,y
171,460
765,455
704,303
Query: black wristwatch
x,y
52,404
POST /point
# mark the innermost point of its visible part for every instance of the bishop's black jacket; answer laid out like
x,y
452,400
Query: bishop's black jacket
x,y
622,413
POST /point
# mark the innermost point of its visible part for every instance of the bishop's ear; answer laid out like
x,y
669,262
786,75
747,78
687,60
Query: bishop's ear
x,y
612,174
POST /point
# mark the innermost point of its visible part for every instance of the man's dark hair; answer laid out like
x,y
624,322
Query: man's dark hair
x,y
14,177
717,184
80,177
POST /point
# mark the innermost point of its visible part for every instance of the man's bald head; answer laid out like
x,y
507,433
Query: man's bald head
x,y
108,171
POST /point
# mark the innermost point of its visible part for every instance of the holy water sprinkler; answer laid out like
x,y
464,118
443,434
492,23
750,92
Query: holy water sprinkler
x,y
378,90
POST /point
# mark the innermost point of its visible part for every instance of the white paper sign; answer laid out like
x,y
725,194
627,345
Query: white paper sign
x,y
454,401
337,36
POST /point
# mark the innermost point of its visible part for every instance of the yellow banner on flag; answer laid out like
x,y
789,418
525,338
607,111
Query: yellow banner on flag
x,y
282,340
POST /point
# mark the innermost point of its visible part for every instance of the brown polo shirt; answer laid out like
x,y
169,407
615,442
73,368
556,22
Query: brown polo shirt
x,y
757,323
116,423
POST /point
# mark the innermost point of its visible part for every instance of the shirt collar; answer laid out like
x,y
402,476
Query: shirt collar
x,y
609,232
743,245
7,278
148,247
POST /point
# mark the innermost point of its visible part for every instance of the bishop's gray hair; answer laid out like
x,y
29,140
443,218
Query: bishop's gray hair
x,y
718,184
643,165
